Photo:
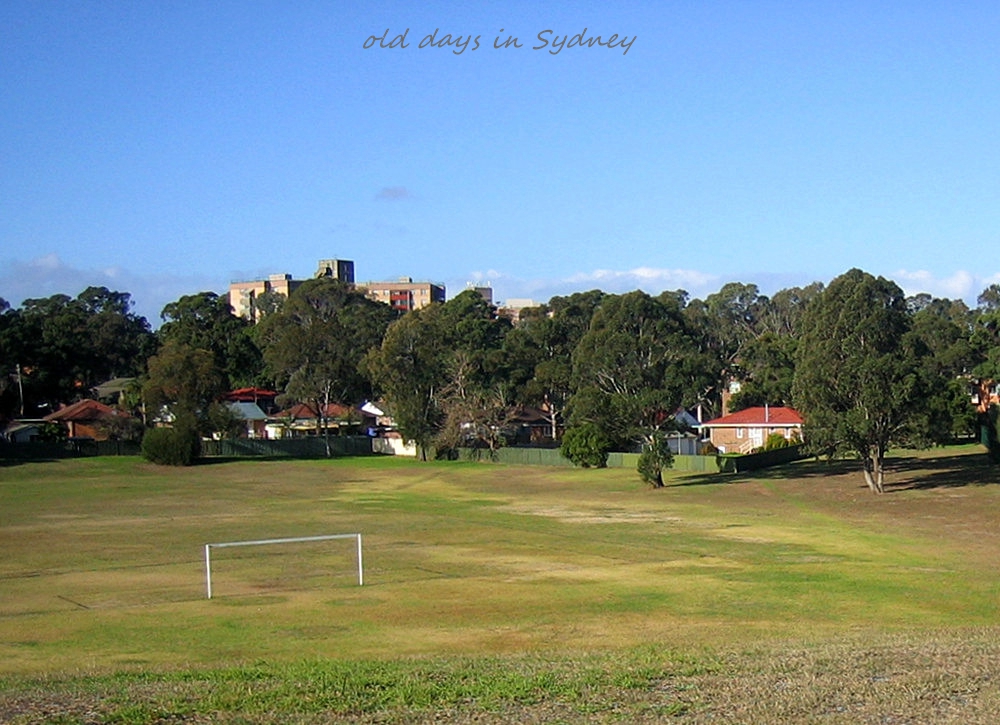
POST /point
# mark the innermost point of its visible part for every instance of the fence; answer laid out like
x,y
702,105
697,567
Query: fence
x,y
309,447
552,457
312,447
315,447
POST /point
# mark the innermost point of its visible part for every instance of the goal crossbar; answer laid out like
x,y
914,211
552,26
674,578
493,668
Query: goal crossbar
x,y
263,542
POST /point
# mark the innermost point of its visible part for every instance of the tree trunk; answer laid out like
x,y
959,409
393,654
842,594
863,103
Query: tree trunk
x,y
874,471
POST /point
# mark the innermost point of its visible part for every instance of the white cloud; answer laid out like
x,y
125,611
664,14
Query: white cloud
x,y
48,275
960,285
649,279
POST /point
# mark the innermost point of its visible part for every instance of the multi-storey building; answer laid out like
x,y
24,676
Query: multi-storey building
x,y
341,269
405,294
243,296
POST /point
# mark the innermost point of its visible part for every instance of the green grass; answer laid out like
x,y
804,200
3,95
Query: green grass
x,y
511,591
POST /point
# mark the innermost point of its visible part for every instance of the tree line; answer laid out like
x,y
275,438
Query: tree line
x,y
867,366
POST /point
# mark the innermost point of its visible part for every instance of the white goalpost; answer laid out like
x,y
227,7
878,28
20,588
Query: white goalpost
x,y
263,542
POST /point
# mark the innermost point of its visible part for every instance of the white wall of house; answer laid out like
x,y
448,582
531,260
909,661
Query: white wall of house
x,y
394,447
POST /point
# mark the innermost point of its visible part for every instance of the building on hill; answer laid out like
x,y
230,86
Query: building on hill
x,y
746,430
243,295
341,269
404,294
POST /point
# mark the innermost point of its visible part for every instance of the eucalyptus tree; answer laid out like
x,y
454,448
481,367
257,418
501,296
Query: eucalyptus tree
x,y
633,367
206,321
183,380
941,327
64,346
550,333
767,360
408,369
315,344
858,380
443,366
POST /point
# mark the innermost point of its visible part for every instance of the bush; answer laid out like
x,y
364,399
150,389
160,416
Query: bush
x,y
586,446
656,456
776,441
177,446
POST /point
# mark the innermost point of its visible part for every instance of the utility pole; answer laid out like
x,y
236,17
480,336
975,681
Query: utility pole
x,y
20,389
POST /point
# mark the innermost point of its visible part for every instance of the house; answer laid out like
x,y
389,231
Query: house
x,y
534,425
253,417
23,431
87,419
114,390
260,396
745,430
303,420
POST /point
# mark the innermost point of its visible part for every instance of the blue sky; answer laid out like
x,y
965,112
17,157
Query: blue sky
x,y
167,148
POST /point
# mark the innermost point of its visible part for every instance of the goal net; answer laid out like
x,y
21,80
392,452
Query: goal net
x,y
285,564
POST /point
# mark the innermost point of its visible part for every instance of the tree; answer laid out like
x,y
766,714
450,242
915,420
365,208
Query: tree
x,y
856,379
475,415
442,363
185,380
941,328
550,333
315,344
586,445
408,369
768,368
64,346
633,367
206,321
656,456
766,361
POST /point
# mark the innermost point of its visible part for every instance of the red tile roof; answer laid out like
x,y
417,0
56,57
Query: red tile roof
x,y
84,410
249,395
772,415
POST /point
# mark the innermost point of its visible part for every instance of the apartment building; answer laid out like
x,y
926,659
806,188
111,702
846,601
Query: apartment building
x,y
244,295
404,294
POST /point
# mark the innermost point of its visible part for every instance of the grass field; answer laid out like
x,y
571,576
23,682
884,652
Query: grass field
x,y
499,594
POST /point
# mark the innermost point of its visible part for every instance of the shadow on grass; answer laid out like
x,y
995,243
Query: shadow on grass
x,y
806,468
903,473
914,474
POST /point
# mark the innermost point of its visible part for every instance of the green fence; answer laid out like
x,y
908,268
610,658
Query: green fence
x,y
516,456
310,447
552,457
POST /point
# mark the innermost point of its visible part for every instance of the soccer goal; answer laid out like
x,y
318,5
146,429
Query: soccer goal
x,y
265,542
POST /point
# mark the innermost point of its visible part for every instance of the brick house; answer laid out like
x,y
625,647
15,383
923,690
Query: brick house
x,y
745,430
86,419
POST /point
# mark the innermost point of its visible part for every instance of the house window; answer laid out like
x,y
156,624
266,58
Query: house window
x,y
739,432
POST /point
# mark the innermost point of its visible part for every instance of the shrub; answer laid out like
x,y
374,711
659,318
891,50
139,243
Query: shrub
x,y
586,446
177,446
656,456
775,441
